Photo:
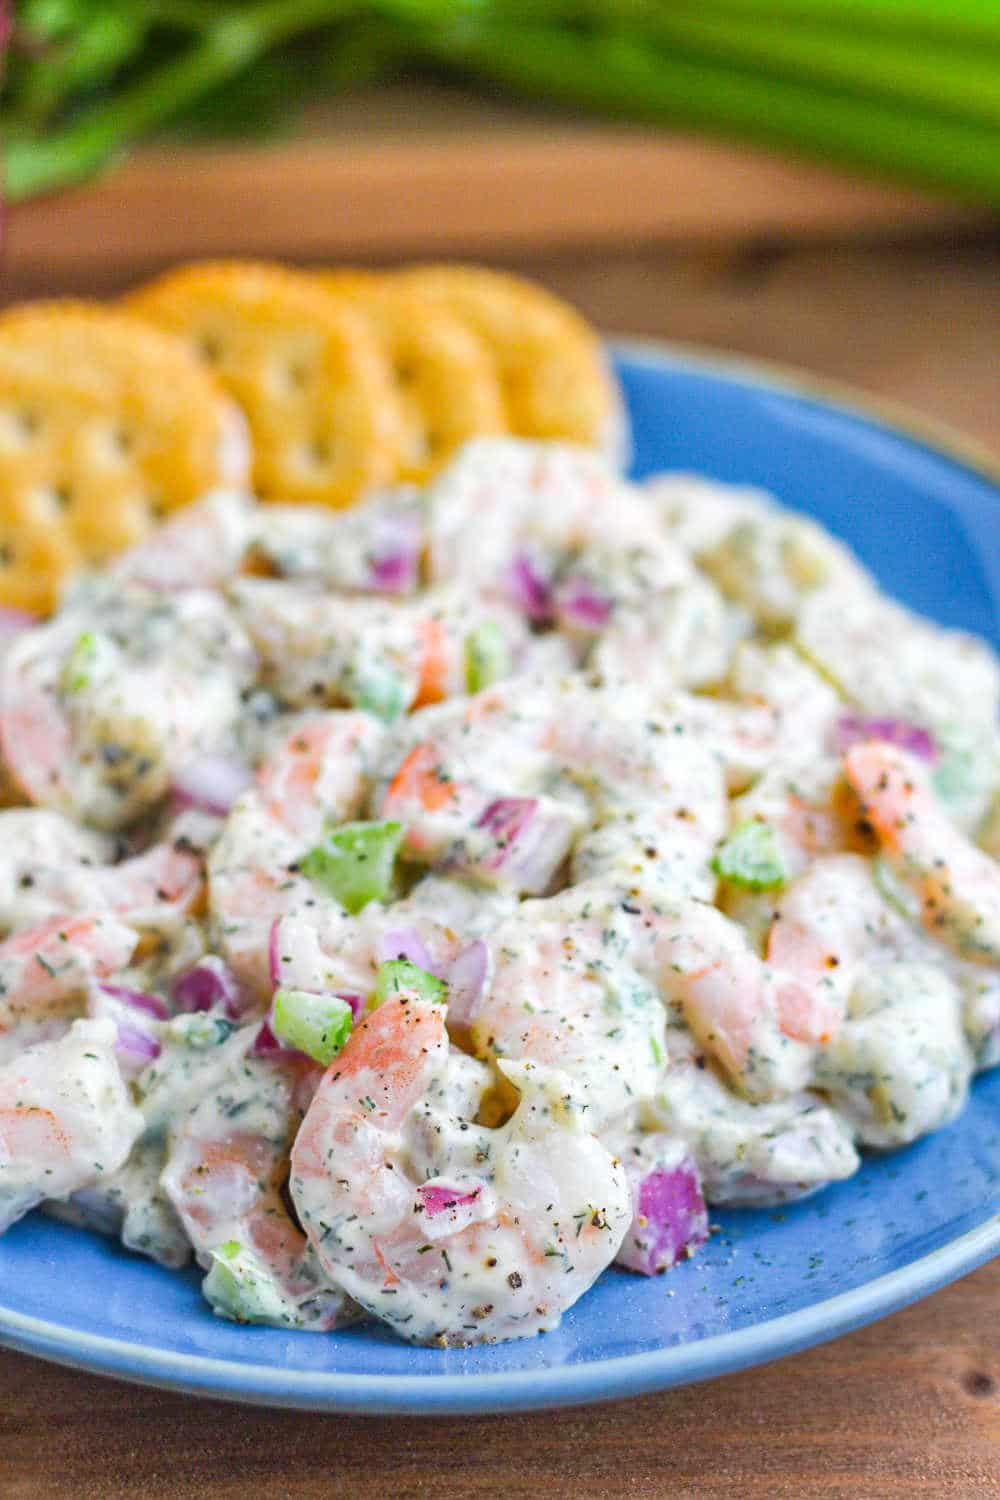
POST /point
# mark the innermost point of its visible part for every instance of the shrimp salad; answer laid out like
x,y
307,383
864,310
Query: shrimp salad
x,y
410,912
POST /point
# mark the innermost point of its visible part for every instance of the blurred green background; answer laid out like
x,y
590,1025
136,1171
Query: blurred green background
x,y
905,89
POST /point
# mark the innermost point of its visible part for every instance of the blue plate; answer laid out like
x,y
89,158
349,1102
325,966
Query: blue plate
x,y
770,1282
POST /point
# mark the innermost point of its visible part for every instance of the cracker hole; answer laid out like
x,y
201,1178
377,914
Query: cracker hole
x,y
320,452
296,376
123,441
210,347
28,422
405,372
7,554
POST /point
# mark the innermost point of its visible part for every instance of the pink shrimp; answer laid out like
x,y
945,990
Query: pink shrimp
x,y
958,884
45,971
515,1229
225,1176
319,775
66,1118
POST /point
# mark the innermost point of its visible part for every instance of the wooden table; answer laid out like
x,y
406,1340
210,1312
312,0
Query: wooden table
x,y
901,298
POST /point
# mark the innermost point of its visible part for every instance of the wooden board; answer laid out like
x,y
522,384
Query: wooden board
x,y
907,1408
397,172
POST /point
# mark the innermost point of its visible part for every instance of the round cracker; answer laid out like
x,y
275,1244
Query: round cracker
x,y
303,364
446,379
551,364
106,426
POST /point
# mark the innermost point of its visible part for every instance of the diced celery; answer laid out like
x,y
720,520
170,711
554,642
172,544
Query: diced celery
x,y
80,663
487,657
240,1286
751,857
355,863
318,1025
896,891
398,974
378,690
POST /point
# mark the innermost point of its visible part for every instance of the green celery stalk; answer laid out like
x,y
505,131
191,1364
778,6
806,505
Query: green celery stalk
x,y
229,44
619,76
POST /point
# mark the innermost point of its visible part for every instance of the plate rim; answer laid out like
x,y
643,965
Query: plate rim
x,y
628,1374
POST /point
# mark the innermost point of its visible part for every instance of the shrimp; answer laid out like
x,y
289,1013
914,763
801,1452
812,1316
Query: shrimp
x,y
386,655
514,1227
45,971
958,884
65,1118
750,1153
104,703
578,977
318,775
225,1175
51,865
506,787
200,547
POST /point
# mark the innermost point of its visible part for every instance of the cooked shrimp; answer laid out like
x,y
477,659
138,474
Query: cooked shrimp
x,y
514,1228
45,971
65,1118
102,705
385,655
319,775
505,787
225,1174
958,884
578,979
49,865
198,548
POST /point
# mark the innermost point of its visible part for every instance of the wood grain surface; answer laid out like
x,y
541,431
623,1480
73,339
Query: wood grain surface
x,y
908,1407
404,171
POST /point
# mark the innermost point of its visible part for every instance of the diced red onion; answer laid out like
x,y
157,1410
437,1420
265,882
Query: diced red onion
x,y
211,783
356,1002
468,980
266,1044
407,943
136,1047
670,1218
850,729
437,1199
579,604
209,985
531,840
528,588
138,1000
396,560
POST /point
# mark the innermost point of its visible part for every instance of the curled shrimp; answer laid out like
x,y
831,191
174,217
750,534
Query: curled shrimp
x,y
50,865
65,1118
515,1226
388,655
102,705
508,785
200,547
225,1175
319,774
958,884
584,977
45,971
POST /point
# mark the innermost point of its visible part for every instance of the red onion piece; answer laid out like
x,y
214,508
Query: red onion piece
x,y
850,729
579,604
670,1218
135,1047
209,985
531,840
407,943
528,588
396,559
468,981
138,1000
266,1044
211,783
358,1003
437,1199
